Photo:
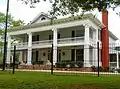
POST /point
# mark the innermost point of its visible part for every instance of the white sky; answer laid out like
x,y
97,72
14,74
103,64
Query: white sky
x,y
24,12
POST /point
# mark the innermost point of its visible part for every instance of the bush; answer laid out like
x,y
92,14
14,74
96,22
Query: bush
x,y
37,62
101,69
69,64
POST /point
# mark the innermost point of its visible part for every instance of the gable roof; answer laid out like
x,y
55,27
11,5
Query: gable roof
x,y
58,21
38,16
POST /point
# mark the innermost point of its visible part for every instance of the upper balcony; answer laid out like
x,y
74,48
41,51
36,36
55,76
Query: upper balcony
x,y
48,43
71,36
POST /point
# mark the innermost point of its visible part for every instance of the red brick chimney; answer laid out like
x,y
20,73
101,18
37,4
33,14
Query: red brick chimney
x,y
105,40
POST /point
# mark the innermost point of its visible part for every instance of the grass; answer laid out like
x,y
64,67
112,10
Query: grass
x,y
40,80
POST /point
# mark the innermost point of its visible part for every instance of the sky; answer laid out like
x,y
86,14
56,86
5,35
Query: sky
x,y
24,12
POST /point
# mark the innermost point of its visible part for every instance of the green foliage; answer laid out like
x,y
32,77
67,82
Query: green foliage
x,y
65,7
11,23
1,59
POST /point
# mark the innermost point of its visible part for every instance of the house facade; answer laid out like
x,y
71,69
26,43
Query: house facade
x,y
73,39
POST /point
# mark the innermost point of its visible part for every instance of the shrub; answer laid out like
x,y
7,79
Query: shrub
x,y
69,64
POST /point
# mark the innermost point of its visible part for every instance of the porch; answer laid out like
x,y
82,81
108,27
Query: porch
x,y
70,56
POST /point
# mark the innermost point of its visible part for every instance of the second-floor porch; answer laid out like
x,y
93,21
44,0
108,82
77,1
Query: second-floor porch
x,y
64,37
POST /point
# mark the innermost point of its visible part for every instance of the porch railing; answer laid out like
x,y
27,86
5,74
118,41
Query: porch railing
x,y
49,42
22,44
71,40
44,42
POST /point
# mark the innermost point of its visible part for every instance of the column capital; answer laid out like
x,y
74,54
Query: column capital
x,y
86,25
29,33
54,29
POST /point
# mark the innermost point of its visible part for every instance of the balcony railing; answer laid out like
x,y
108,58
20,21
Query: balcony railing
x,y
45,42
19,45
71,40
49,42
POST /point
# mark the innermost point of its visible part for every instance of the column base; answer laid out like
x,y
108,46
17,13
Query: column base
x,y
87,64
54,63
29,63
22,64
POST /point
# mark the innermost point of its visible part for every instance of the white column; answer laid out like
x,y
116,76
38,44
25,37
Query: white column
x,y
117,60
8,49
86,48
54,46
29,53
21,58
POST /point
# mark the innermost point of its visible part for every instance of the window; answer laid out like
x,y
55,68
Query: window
x,y
73,33
78,33
43,18
58,55
35,38
37,56
91,33
72,54
58,35
50,37
113,58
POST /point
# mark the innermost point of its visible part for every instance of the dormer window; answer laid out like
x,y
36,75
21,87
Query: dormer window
x,y
43,18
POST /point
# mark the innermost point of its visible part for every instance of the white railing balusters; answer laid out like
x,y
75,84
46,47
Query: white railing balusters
x,y
49,42
71,40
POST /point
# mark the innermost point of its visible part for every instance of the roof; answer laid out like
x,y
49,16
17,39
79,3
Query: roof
x,y
112,35
58,21
38,16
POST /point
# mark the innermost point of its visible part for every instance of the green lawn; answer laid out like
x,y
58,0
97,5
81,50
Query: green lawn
x,y
38,80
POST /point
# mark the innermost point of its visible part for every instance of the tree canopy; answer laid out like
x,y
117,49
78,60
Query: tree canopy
x,y
65,7
11,23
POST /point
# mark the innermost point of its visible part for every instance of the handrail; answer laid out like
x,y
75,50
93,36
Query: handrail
x,y
50,41
70,38
44,41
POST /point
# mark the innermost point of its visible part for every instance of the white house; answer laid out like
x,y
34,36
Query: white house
x,y
70,37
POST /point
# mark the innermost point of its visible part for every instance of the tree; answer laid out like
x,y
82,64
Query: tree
x,y
11,23
65,7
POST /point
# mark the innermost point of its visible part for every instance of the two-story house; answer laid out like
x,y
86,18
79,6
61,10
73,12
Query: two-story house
x,y
73,38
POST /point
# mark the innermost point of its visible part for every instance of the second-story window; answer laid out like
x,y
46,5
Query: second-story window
x,y
58,36
35,38
73,33
77,33
91,33
50,37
